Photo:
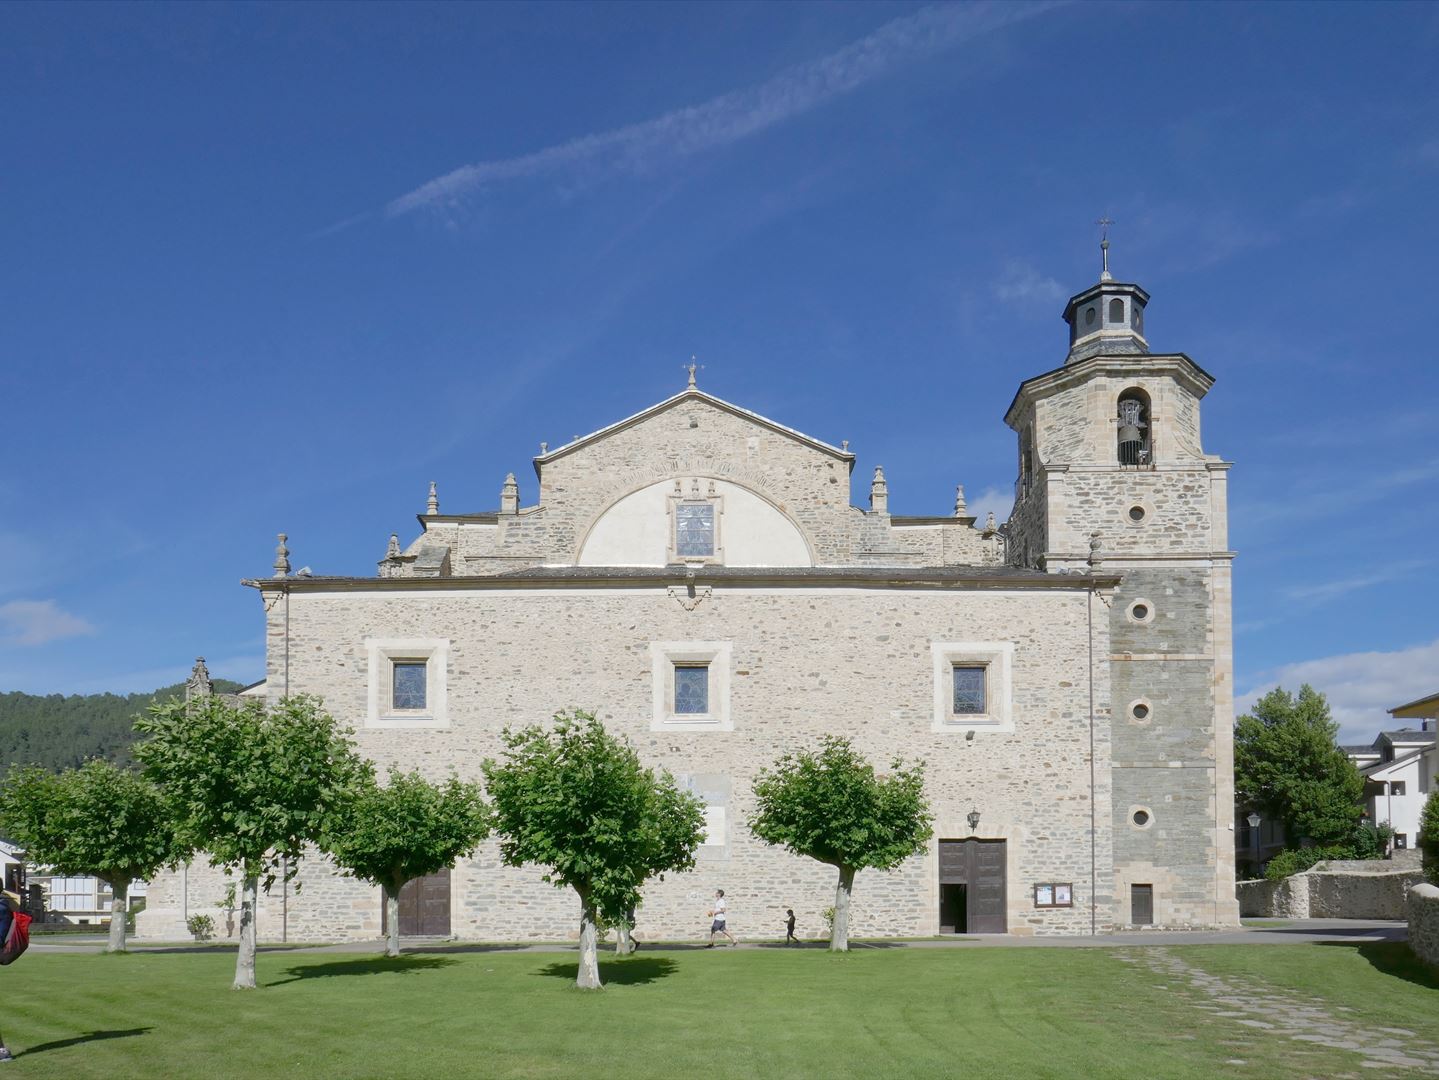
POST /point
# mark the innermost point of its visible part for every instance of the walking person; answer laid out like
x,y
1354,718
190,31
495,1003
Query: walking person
x,y
717,925
7,918
789,927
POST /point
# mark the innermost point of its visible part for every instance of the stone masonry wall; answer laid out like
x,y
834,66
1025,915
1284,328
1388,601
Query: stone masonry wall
x,y
805,662
1422,911
1319,894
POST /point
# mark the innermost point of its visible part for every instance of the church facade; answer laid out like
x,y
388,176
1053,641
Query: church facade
x,y
698,576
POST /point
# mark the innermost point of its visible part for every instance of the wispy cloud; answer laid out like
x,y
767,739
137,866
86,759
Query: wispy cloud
x,y
1021,284
34,622
1322,503
1360,686
992,500
642,147
1323,591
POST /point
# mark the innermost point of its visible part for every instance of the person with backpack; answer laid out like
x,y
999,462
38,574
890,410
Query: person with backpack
x,y
14,939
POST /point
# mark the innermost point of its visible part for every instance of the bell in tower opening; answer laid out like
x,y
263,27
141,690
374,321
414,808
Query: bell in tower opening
x,y
1133,428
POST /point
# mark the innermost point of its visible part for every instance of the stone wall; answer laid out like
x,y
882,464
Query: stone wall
x,y
1321,894
1422,911
804,662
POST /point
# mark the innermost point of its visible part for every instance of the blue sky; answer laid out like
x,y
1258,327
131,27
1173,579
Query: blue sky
x,y
277,267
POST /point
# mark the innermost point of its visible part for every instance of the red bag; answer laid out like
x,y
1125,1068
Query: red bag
x,y
18,940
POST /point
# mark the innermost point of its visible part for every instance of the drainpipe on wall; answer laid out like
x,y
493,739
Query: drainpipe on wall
x,y
1093,812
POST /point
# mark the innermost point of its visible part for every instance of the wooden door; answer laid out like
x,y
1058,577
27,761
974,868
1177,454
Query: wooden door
x,y
980,866
424,907
1141,905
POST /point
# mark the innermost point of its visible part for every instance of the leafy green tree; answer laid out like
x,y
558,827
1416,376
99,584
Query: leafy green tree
x,y
100,820
250,786
576,800
1429,835
406,829
1287,764
830,806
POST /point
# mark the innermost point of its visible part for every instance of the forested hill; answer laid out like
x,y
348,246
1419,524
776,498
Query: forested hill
x,y
59,732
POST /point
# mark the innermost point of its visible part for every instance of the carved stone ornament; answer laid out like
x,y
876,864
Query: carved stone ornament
x,y
689,596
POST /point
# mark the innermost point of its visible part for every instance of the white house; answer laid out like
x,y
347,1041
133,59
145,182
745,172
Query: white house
x,y
1398,773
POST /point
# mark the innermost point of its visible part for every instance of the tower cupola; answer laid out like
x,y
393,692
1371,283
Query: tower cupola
x,y
1108,318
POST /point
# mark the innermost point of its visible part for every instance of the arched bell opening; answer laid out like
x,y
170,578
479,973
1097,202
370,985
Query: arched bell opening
x,y
1135,444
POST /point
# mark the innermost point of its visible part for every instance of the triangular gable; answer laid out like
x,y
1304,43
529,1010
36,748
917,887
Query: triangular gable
x,y
1373,772
694,394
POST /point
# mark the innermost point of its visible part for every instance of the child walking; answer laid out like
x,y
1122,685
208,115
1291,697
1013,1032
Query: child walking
x,y
789,927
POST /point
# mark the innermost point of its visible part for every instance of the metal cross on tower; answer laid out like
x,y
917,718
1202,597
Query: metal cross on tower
x,y
1104,223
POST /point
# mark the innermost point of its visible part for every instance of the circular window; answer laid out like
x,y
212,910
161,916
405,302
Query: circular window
x,y
1141,817
1141,611
1139,711
1088,316
1137,513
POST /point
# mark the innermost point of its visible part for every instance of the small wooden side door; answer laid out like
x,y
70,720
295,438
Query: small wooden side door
x,y
1141,905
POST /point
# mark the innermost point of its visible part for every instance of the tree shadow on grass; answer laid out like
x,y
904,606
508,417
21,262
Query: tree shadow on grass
x,y
89,1036
370,965
1392,958
636,971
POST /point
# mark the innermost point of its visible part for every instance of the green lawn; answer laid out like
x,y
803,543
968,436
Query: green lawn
x,y
1000,1012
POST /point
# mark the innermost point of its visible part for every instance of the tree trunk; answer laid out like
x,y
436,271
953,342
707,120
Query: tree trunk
x,y
392,920
245,959
623,946
588,977
839,936
119,891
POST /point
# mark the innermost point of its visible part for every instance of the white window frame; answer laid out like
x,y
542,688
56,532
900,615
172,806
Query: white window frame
x,y
997,657
665,656
382,654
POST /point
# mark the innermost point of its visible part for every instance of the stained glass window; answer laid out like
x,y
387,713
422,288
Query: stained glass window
x,y
409,685
968,689
694,530
692,689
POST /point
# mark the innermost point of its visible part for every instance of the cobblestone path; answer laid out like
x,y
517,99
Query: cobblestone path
x,y
1246,1009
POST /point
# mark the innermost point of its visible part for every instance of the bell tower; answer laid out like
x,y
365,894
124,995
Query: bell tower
x,y
1113,477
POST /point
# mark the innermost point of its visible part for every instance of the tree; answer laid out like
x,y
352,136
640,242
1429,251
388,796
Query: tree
x,y
831,806
1287,765
99,820
408,828
1429,836
577,801
250,786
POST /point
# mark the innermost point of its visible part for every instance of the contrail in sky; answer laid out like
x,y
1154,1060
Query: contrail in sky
x,y
730,117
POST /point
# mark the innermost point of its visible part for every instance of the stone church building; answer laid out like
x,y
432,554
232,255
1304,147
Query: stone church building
x,y
699,576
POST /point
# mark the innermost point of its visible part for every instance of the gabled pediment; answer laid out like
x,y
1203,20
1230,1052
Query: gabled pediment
x,y
689,396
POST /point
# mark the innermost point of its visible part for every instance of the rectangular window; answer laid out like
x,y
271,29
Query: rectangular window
x,y
409,684
969,689
1396,787
692,689
694,530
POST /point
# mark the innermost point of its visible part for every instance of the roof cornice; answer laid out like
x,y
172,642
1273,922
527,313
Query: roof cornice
x,y
1179,365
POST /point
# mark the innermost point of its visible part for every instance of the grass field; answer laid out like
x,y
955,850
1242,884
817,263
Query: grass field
x,y
1020,1012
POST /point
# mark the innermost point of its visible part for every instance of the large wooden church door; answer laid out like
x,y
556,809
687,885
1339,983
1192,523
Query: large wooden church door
x,y
424,907
972,887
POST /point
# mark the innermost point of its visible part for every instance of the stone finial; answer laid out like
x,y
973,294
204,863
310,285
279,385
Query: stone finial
x,y
199,683
844,445
544,448
692,367
989,527
960,510
1096,549
393,550
878,492
432,505
510,495
282,558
